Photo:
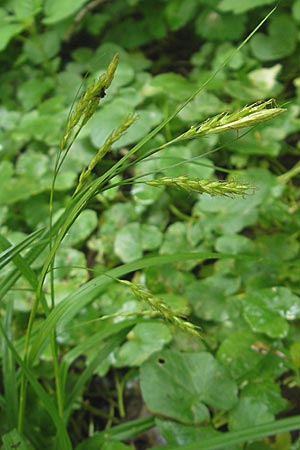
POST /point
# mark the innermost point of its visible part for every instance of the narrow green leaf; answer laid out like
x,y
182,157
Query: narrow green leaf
x,y
44,397
238,437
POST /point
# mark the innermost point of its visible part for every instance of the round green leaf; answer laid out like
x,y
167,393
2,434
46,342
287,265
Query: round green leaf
x,y
180,385
128,242
235,352
276,45
219,27
249,413
84,225
151,237
239,7
144,340
179,12
56,10
268,310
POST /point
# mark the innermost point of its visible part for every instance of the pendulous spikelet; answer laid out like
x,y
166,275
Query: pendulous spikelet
x,y
159,306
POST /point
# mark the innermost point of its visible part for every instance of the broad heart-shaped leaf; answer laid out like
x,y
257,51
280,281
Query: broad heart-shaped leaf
x,y
56,10
267,392
173,86
268,310
181,386
111,116
144,340
219,27
235,352
179,12
210,298
277,45
13,439
238,7
81,228
8,31
134,238
248,413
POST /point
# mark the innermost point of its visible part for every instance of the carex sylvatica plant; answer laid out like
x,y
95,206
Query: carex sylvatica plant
x,y
59,401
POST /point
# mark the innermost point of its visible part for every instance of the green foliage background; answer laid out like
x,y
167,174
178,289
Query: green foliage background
x,y
242,284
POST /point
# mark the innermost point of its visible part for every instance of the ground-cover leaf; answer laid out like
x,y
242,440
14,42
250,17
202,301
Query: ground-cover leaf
x,y
176,239
260,83
172,86
228,216
239,7
36,125
31,92
181,386
237,354
202,106
167,278
113,114
248,413
11,27
266,392
211,298
235,244
133,239
219,27
56,11
224,216
43,47
128,243
82,228
272,46
269,310
144,340
179,12
13,439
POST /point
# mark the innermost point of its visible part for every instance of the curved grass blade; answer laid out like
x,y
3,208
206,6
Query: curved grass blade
x,y
64,312
11,252
238,437
127,430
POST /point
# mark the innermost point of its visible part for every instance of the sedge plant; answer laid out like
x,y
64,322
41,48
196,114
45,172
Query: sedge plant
x,y
25,352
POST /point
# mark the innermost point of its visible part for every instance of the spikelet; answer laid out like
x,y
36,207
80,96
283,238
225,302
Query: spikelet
x,y
211,187
248,116
159,306
89,101
113,137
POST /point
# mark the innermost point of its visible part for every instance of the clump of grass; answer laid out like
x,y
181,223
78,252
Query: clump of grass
x,y
84,110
